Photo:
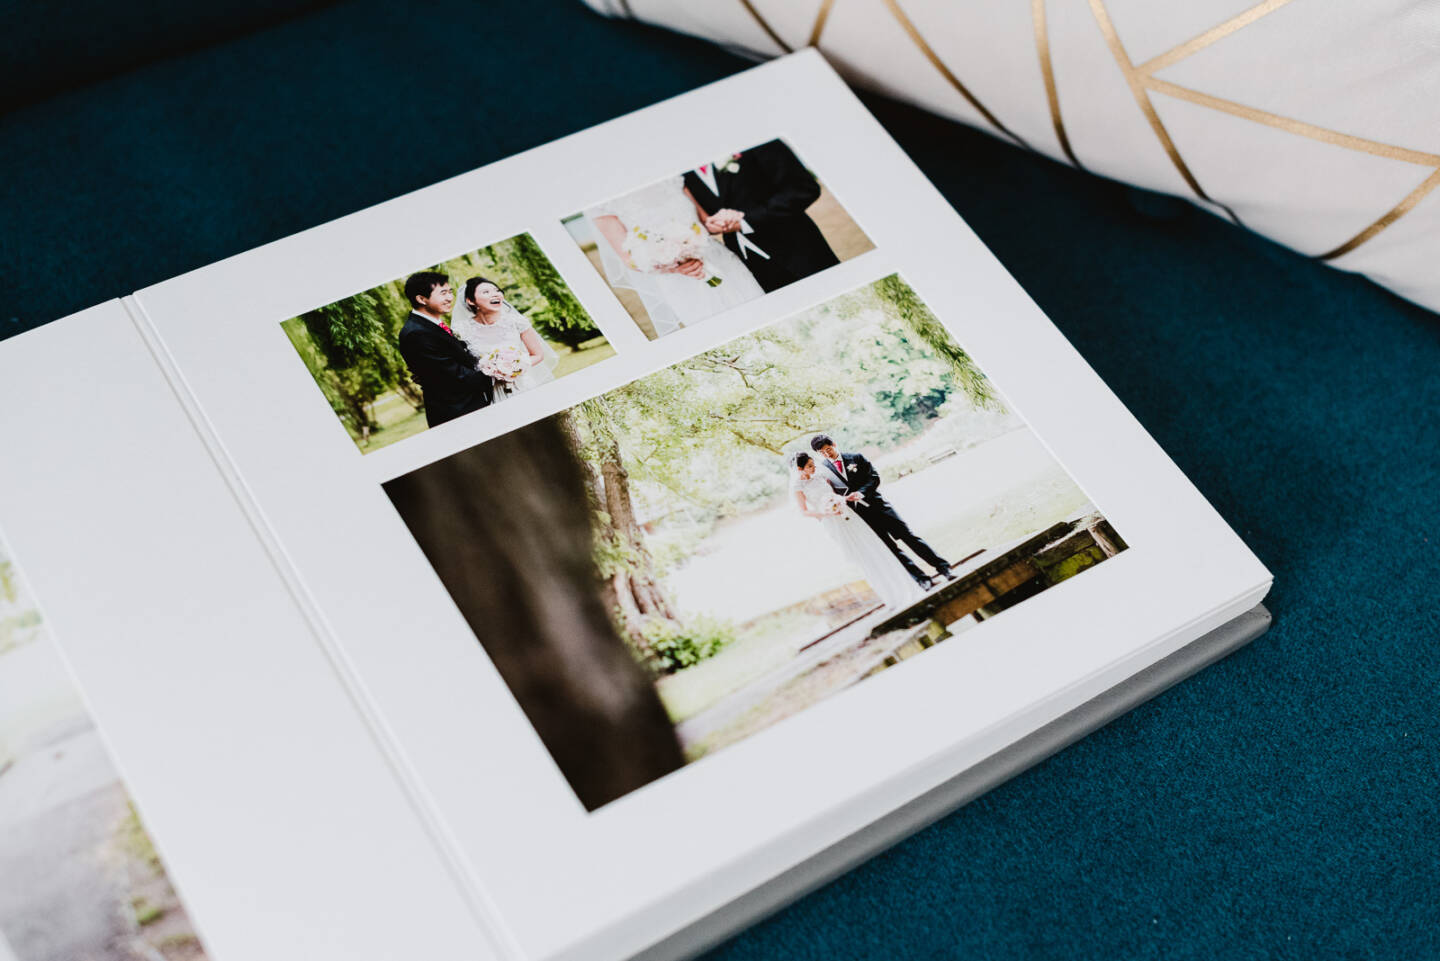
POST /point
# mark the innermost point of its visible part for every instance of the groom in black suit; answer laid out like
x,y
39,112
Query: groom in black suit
x,y
438,360
757,201
855,478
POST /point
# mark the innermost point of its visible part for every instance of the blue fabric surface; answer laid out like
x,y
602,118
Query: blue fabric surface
x,y
1283,803
63,44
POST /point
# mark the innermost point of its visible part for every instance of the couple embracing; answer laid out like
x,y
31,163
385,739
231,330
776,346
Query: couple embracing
x,y
842,491
471,356
713,237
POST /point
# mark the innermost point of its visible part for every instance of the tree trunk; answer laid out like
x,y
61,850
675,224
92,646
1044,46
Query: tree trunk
x,y
507,527
634,589
647,594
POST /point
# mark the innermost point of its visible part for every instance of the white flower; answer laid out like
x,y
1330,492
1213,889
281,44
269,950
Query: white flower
x,y
853,468
503,363
655,247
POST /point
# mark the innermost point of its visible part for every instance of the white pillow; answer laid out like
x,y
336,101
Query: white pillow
x,y
1314,123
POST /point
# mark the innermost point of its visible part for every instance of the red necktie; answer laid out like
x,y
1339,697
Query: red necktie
x,y
840,468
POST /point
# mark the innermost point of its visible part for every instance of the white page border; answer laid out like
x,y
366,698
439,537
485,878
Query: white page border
x,y
559,875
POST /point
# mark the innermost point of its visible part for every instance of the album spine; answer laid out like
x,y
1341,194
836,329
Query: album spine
x,y
480,903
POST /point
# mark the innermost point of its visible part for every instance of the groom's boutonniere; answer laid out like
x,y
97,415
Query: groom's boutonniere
x,y
731,164
852,468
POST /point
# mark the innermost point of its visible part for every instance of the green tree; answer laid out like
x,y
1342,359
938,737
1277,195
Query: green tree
x,y
354,338
562,319
899,300
630,585
874,366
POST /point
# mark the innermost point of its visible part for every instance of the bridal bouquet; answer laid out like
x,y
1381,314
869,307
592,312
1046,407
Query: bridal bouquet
x,y
504,363
833,504
650,249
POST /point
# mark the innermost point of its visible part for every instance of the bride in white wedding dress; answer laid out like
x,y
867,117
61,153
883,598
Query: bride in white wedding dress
x,y
851,535
499,335
654,242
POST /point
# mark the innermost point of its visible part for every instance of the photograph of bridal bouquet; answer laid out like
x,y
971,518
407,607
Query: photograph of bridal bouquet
x,y
690,558
726,232
446,341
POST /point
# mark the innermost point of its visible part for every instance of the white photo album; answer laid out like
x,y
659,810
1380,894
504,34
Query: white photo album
x,y
552,557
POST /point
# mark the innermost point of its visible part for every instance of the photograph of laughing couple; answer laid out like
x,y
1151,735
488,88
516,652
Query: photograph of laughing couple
x,y
445,341
468,349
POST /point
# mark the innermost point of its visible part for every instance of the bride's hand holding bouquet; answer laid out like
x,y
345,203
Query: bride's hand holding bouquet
x,y
505,363
671,249
832,506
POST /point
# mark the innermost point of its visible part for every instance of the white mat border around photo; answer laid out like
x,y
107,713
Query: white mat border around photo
x,y
572,884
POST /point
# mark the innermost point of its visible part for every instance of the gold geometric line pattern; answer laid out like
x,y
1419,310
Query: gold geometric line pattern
x,y
820,19
764,25
1300,127
1047,71
1146,71
950,77
1137,88
1142,82
1196,44
1388,218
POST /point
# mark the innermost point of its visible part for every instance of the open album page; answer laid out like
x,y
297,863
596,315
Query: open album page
x,y
679,497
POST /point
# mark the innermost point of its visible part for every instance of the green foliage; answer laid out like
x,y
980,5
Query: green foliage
x,y
561,318
874,367
9,583
19,622
19,629
677,645
135,841
900,301
612,555
351,346
706,439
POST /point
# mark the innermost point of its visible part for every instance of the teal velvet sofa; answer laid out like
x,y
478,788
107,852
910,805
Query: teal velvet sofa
x,y
1283,803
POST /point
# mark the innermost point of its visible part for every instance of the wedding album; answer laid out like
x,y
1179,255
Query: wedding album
x,y
584,556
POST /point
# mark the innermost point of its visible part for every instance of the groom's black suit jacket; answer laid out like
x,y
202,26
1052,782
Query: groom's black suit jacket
x,y
445,370
861,475
772,189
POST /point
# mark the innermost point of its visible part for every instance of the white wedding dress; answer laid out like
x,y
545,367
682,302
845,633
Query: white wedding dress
x,y
672,300
856,540
506,331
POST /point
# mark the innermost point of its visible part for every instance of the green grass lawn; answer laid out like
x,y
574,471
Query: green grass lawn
x,y
397,419
767,646
590,352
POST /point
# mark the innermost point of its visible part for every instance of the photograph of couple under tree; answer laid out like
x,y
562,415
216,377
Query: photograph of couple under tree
x,y
661,594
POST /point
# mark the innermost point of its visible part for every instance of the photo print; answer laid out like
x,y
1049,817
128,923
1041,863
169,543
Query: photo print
x,y
681,562
722,234
445,341
83,881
